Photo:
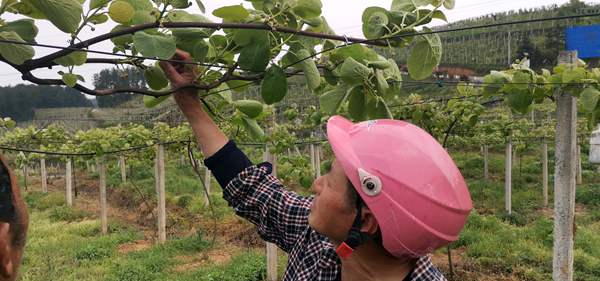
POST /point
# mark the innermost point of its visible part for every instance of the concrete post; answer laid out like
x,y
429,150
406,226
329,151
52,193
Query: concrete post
x,y
508,178
69,183
160,179
103,207
564,180
44,175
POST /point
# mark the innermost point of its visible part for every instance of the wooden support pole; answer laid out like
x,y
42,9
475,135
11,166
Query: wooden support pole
x,y
486,169
160,180
545,171
43,175
579,170
103,207
508,178
69,182
271,248
123,168
564,180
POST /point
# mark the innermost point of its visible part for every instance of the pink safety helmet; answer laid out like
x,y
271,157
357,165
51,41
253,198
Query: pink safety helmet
x,y
406,178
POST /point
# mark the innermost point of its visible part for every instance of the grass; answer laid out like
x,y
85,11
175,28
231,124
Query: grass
x,y
66,243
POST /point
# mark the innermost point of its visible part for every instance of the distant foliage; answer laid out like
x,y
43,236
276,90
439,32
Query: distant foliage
x,y
20,101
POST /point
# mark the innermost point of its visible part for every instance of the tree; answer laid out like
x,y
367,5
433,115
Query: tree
x,y
118,78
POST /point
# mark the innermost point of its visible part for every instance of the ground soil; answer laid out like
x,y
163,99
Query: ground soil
x,y
231,234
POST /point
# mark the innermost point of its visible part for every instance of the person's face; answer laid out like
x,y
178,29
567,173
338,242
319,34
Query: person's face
x,y
331,212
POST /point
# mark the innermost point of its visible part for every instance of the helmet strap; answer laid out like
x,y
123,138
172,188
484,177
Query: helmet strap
x,y
355,237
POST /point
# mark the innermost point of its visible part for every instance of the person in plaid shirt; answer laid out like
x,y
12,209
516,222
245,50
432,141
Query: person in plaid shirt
x,y
392,196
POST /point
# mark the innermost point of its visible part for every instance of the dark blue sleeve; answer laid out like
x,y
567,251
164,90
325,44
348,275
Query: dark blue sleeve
x,y
227,163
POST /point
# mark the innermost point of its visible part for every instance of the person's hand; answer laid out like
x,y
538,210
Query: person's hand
x,y
180,75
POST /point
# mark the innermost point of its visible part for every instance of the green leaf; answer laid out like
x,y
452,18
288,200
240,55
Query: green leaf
x,y
224,92
142,17
382,85
26,8
589,100
309,67
155,45
273,87
493,82
378,109
314,22
449,4
254,57
98,3
423,59
437,14
520,100
14,53
188,33
200,51
356,104
375,26
140,5
308,8
98,19
180,4
573,75
420,3
64,14
330,77
201,6
252,127
150,101
123,40
331,100
243,37
380,64
521,80
121,12
393,73
74,58
232,13
70,79
24,27
238,86
156,78
357,52
403,5
251,108
353,72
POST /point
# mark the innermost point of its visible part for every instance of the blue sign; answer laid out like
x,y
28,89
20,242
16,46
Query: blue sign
x,y
585,40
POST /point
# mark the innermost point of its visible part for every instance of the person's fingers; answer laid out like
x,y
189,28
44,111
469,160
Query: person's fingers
x,y
170,70
183,55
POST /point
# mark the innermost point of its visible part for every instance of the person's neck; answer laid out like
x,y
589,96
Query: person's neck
x,y
371,262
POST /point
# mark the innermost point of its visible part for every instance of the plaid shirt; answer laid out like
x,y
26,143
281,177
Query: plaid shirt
x,y
281,217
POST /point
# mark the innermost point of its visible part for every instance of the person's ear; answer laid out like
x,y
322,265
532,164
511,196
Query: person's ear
x,y
369,223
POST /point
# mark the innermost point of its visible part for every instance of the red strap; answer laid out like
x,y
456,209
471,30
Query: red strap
x,y
344,250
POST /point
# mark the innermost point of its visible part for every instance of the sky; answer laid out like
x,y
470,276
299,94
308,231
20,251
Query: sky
x,y
344,16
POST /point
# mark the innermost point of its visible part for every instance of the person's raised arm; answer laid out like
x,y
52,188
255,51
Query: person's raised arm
x,y
207,133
